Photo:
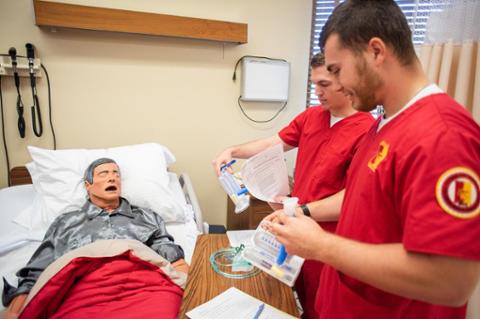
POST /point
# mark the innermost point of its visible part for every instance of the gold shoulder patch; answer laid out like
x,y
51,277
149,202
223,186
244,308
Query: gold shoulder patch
x,y
457,192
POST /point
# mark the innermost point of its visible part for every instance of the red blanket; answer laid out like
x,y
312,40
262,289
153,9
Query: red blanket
x,y
122,286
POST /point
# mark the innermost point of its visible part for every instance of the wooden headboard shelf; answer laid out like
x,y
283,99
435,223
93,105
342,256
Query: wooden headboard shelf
x,y
63,15
20,176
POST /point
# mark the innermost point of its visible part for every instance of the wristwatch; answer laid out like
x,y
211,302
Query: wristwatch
x,y
305,210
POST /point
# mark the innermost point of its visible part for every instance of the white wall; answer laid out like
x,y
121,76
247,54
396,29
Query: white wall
x,y
113,89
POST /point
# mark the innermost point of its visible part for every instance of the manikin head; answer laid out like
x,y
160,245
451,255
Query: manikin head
x,y
328,90
361,48
103,184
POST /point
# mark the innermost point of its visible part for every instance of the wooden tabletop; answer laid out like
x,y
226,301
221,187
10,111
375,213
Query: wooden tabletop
x,y
204,283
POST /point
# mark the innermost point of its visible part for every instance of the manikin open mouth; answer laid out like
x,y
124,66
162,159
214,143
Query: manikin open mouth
x,y
111,188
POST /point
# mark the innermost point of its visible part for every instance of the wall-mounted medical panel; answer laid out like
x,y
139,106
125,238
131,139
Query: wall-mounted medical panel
x,y
265,80
63,15
22,66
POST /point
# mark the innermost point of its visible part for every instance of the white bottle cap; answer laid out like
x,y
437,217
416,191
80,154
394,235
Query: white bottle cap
x,y
289,205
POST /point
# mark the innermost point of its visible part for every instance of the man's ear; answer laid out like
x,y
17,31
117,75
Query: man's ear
x,y
377,49
88,186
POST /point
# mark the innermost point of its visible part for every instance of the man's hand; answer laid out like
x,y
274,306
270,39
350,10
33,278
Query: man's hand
x,y
431,278
246,150
223,158
277,205
301,235
273,217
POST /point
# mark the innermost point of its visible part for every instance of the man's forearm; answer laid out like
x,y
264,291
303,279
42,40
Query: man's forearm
x,y
246,150
389,267
254,147
327,209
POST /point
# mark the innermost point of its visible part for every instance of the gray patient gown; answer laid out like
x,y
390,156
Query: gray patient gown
x,y
91,223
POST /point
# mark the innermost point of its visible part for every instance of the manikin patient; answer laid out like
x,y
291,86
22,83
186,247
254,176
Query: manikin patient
x,y
105,215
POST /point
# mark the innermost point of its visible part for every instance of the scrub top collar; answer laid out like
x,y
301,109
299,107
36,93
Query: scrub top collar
x,y
335,119
426,91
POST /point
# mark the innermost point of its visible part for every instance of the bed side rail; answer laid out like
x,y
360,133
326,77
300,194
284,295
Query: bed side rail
x,y
191,198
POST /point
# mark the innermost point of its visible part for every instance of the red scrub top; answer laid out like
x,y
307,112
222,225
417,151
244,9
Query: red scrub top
x,y
324,152
324,155
413,182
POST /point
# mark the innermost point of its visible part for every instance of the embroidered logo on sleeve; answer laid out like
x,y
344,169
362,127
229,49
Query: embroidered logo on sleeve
x,y
377,159
458,194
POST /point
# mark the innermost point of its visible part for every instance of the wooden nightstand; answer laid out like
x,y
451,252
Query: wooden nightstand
x,y
248,219
204,283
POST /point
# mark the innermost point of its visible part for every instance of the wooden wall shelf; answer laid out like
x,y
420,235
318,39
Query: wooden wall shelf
x,y
61,15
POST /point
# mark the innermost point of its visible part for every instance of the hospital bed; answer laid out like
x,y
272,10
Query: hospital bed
x,y
17,244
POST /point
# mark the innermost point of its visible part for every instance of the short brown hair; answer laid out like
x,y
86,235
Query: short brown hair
x,y
317,60
357,21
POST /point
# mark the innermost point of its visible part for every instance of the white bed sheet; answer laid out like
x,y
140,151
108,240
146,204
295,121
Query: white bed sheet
x,y
17,244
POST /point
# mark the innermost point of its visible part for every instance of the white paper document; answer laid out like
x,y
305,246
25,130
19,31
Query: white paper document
x,y
265,174
235,304
240,237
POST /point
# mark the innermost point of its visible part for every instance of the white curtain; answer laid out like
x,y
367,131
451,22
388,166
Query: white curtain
x,y
451,53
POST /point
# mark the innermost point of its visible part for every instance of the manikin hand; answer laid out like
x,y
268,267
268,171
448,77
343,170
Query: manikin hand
x,y
16,305
181,265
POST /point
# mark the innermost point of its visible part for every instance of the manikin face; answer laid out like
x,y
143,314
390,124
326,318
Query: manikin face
x,y
106,186
329,91
353,71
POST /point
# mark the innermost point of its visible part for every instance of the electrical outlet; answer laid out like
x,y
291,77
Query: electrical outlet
x,y
22,66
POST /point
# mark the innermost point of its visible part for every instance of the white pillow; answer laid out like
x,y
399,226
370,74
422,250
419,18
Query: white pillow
x,y
58,179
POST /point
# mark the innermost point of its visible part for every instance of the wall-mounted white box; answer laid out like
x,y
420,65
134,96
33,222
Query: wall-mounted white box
x,y
22,66
265,80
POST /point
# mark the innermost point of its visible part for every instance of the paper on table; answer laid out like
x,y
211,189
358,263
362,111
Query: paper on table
x,y
235,304
239,237
265,174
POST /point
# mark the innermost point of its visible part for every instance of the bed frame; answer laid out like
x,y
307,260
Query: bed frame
x,y
20,176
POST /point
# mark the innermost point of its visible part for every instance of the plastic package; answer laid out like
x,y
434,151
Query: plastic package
x,y
232,187
263,254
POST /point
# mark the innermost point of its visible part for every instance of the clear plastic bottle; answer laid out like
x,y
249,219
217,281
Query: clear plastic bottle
x,y
232,187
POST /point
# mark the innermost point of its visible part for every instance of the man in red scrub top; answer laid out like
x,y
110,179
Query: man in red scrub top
x,y
407,242
327,136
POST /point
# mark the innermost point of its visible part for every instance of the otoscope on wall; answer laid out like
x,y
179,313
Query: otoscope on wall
x,y
36,115
21,121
